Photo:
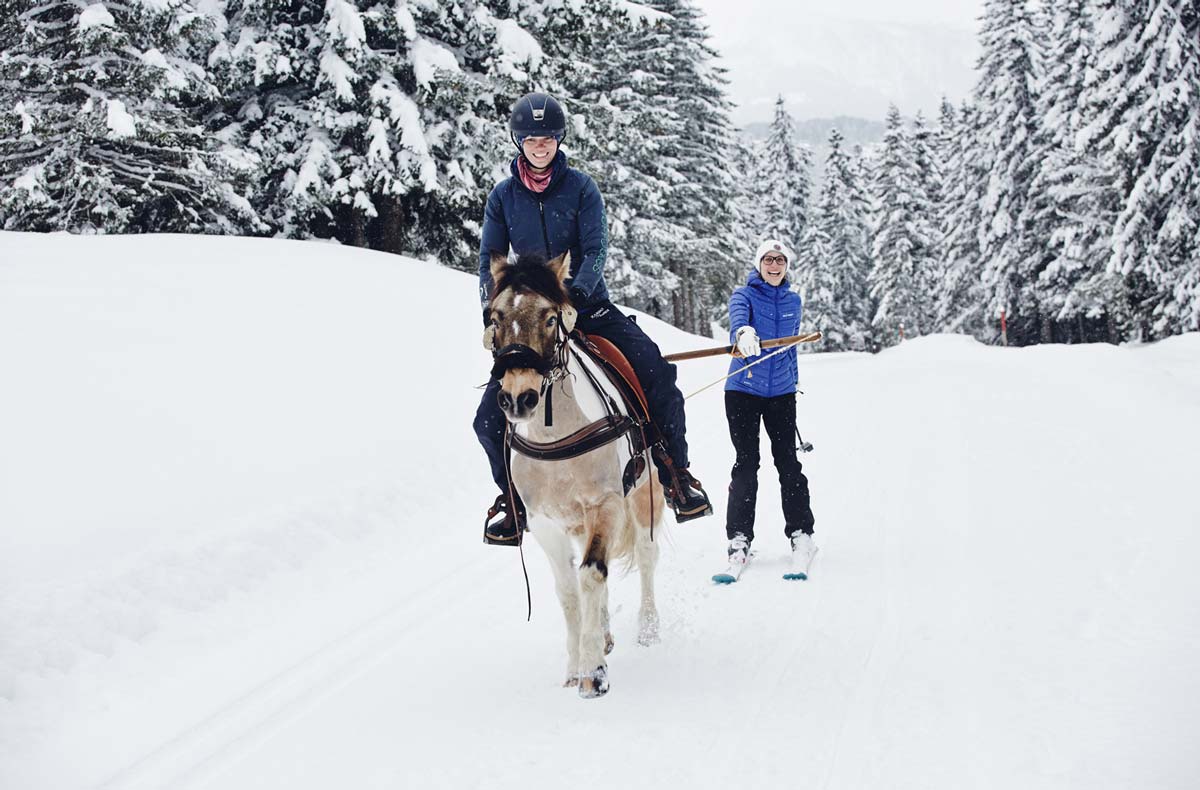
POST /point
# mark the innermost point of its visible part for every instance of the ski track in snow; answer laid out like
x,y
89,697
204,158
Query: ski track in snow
x,y
209,746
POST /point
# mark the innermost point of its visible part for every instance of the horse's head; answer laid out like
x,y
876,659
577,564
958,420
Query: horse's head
x,y
530,313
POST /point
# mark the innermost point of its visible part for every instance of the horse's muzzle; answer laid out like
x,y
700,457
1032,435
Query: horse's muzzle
x,y
520,409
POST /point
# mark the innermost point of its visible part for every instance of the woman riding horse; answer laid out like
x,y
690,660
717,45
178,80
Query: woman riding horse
x,y
578,459
545,209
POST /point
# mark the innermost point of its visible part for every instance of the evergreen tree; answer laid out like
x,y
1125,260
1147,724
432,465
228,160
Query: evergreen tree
x,y
1070,216
598,70
786,166
1142,108
961,300
748,207
104,125
695,138
943,142
834,258
1005,98
902,247
928,178
377,125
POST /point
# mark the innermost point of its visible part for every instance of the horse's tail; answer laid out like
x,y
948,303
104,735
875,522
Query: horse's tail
x,y
620,550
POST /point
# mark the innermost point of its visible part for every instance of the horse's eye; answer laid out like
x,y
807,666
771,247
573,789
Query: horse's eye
x,y
551,321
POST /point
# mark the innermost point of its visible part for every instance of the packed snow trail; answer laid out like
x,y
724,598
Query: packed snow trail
x,y
240,548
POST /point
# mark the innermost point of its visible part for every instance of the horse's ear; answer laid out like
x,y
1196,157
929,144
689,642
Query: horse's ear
x,y
499,264
561,266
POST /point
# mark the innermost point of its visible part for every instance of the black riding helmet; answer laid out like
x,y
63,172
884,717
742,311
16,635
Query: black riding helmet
x,y
537,115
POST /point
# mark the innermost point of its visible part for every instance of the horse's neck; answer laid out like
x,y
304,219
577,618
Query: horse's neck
x,y
574,404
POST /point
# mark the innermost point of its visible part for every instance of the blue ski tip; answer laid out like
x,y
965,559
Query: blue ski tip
x,y
794,576
724,578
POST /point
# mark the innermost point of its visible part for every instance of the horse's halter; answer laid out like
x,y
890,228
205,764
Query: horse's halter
x,y
553,367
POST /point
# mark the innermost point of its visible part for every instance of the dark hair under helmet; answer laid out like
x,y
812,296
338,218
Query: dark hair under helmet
x,y
537,115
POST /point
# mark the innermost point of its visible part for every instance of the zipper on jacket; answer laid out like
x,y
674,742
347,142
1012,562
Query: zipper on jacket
x,y
778,333
545,234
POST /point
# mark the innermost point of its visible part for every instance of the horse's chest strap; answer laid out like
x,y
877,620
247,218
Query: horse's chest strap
x,y
586,439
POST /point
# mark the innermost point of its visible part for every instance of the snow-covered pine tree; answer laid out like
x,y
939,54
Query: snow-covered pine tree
x,y
834,258
464,114
1005,99
962,303
943,142
378,124
943,138
929,186
267,68
1142,111
903,240
1070,215
748,215
103,128
786,167
695,141
598,70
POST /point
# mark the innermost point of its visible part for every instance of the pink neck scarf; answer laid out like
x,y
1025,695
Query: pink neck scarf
x,y
533,180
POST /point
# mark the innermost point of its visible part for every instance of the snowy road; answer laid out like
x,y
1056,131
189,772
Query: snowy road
x,y
274,578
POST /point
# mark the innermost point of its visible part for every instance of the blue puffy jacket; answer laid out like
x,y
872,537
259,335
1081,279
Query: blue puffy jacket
x,y
568,215
773,311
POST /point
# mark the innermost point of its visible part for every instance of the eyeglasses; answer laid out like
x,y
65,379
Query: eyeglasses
x,y
774,259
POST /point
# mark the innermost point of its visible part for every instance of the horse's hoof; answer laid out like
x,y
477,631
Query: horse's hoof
x,y
572,680
609,642
595,684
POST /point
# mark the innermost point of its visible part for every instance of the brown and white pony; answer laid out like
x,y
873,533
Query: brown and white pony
x,y
577,508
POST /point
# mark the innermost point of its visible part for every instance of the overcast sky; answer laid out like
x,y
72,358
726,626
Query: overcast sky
x,y
844,57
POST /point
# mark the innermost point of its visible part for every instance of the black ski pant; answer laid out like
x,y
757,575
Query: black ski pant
x,y
744,412
657,377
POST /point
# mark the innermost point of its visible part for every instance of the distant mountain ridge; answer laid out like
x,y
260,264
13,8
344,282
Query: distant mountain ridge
x,y
815,131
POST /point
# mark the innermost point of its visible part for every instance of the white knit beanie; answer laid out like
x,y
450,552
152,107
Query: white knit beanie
x,y
772,245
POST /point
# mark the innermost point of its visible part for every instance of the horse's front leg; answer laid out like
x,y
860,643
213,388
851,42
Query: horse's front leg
x,y
600,524
554,541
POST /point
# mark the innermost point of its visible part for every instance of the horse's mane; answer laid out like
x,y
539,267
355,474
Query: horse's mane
x,y
531,274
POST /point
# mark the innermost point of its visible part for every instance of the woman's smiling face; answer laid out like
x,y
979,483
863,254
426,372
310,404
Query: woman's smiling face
x,y
773,268
539,151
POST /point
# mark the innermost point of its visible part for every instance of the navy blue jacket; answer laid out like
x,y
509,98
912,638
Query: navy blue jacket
x,y
568,215
773,311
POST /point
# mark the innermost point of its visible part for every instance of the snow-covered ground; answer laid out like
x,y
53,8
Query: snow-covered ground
x,y
240,514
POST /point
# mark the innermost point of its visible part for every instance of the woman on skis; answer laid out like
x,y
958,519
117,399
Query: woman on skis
x,y
765,308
